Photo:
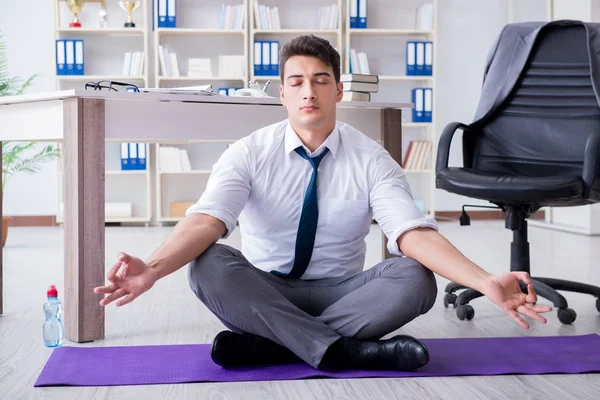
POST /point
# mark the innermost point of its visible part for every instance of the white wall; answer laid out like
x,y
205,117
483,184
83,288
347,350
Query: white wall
x,y
466,30
29,36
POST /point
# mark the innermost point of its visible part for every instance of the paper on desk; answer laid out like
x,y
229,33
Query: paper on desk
x,y
204,90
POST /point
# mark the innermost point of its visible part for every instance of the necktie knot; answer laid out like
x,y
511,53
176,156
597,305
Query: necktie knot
x,y
314,161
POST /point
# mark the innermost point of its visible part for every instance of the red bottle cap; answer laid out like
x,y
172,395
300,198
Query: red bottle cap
x,y
52,292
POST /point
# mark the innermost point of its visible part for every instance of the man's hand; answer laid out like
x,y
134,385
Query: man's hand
x,y
129,277
504,290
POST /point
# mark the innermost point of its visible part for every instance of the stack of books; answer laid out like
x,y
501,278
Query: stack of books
x,y
173,159
327,17
266,17
133,64
232,17
358,87
169,66
417,155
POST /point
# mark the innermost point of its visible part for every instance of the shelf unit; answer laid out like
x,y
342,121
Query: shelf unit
x,y
189,30
104,49
393,27
295,11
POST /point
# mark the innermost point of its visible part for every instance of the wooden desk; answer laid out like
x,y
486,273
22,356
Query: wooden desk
x,y
84,120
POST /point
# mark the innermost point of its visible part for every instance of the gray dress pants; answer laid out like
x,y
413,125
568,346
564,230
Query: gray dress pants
x,y
307,316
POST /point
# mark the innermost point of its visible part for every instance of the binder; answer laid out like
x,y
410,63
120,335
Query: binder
x,y
141,148
428,105
429,58
70,57
420,57
257,57
133,156
362,13
231,91
274,58
162,14
417,99
61,63
223,91
411,54
125,165
266,58
171,13
354,14
79,65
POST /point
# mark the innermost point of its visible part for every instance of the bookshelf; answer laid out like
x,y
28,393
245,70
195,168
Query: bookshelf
x,y
128,193
202,33
389,27
293,19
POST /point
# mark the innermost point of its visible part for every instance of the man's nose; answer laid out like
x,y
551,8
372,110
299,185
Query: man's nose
x,y
309,91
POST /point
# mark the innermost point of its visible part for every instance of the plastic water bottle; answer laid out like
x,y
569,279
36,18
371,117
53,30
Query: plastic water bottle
x,y
52,329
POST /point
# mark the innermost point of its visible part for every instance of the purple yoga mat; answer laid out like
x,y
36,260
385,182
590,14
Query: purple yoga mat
x,y
146,365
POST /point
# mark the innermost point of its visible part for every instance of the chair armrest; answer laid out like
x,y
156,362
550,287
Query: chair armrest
x,y
591,162
443,152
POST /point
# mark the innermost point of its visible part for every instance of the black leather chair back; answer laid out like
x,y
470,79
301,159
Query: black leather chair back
x,y
542,127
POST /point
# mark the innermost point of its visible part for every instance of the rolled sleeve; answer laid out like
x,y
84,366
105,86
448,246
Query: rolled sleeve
x,y
228,187
391,200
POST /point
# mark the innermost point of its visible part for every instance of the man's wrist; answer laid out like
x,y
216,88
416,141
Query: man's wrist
x,y
155,268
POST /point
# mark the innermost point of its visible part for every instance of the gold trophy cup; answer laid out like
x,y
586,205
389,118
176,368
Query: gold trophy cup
x,y
130,7
75,6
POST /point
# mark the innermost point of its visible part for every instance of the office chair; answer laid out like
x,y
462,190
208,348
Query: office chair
x,y
539,146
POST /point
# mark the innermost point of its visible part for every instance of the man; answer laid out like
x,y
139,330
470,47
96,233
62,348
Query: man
x,y
305,191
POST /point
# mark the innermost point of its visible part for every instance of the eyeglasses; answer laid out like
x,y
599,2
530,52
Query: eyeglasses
x,y
108,85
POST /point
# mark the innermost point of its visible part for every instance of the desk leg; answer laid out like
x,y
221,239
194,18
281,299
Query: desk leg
x,y
83,159
391,126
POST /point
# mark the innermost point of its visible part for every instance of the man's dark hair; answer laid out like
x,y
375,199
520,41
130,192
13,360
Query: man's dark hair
x,y
310,45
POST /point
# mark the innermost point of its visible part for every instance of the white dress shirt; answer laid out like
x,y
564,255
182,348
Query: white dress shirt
x,y
261,181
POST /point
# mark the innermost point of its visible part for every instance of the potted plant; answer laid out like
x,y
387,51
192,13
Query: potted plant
x,y
18,157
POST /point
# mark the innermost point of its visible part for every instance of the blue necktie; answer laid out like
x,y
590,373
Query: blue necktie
x,y
307,228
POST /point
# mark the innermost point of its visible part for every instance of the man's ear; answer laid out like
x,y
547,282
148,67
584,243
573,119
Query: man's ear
x,y
340,92
281,97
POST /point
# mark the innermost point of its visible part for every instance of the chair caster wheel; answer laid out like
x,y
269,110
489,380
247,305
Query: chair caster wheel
x,y
566,315
449,298
465,311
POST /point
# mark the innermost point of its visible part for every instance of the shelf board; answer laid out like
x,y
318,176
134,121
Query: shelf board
x,y
417,171
405,32
126,172
194,172
125,219
103,31
265,78
417,124
405,78
192,31
195,78
295,31
95,78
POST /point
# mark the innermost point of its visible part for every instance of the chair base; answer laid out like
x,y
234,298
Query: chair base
x,y
544,287
516,221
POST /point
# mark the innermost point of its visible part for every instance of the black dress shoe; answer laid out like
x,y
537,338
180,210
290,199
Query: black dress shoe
x,y
400,353
231,350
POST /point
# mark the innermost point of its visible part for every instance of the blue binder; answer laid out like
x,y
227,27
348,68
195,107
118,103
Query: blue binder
x,y
79,63
428,105
171,13
362,13
125,165
417,99
354,14
257,58
274,58
420,58
61,63
162,14
70,57
141,156
411,58
428,59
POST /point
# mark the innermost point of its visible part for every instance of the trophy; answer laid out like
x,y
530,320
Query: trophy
x,y
75,6
129,6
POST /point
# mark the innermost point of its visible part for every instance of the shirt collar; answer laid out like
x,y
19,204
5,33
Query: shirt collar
x,y
292,142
